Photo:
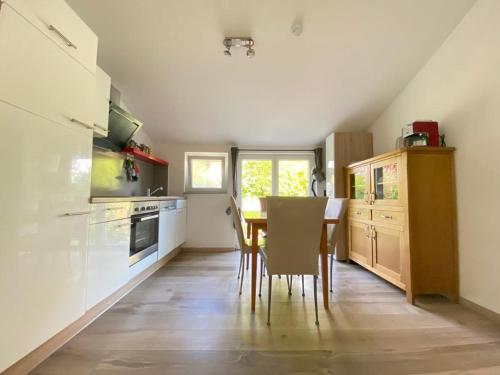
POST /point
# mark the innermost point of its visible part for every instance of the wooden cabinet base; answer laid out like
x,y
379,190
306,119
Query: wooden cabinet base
x,y
37,356
402,219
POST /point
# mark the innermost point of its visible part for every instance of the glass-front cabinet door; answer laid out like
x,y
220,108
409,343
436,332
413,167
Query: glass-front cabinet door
x,y
386,182
359,184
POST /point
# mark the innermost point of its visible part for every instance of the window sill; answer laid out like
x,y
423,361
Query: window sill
x,y
202,192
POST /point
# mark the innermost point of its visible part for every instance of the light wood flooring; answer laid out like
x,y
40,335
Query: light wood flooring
x,y
188,319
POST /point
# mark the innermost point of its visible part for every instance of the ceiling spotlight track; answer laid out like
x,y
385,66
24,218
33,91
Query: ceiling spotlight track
x,y
239,42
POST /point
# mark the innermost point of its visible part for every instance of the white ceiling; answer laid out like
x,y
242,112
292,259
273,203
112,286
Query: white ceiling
x,y
351,60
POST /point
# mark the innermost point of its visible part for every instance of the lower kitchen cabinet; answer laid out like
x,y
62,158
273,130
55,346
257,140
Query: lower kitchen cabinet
x,y
388,253
360,244
43,229
180,226
167,227
107,261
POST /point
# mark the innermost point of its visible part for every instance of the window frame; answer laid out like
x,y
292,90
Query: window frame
x,y
275,157
188,177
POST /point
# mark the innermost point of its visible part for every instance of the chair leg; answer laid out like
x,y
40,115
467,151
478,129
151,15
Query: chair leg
x,y
290,286
269,300
248,260
264,273
303,294
261,273
331,273
316,298
241,262
242,273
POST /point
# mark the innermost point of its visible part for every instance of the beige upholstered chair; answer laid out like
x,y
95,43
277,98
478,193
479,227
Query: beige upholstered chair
x,y
294,228
335,208
245,248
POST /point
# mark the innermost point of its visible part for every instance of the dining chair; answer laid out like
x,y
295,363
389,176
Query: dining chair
x,y
335,208
245,248
294,226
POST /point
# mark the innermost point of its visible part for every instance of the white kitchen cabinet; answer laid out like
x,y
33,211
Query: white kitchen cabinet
x,y
167,229
107,261
58,22
37,75
44,199
102,96
180,223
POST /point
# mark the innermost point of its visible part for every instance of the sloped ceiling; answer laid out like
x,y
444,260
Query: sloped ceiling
x,y
353,57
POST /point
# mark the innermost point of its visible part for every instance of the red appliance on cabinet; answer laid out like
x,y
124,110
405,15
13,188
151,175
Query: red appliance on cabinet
x,y
428,127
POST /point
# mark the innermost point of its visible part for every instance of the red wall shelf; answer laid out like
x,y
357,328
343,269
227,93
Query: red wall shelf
x,y
138,154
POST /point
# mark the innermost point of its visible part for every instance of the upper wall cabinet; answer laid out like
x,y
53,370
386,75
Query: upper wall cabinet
x,y
38,74
62,25
102,95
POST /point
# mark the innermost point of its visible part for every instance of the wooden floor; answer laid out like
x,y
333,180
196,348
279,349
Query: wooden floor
x,y
188,319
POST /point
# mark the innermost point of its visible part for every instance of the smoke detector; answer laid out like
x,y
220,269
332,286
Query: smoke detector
x,y
239,42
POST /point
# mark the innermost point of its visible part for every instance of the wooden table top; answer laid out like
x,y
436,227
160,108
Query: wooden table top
x,y
258,217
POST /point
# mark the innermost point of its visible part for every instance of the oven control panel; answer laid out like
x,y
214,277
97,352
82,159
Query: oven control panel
x,y
145,207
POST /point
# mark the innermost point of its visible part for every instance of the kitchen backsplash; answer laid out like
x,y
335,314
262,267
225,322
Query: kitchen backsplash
x,y
110,180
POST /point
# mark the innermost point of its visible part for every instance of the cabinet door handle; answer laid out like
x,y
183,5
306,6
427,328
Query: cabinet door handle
x,y
358,212
367,232
122,225
77,213
82,124
372,198
366,197
114,208
374,233
386,216
62,36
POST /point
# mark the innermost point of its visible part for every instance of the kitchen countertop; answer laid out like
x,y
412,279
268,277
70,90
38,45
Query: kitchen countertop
x,y
133,199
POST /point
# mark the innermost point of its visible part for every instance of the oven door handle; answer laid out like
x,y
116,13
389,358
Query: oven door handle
x,y
145,218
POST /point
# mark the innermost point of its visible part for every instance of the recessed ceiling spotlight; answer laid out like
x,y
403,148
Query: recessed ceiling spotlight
x,y
250,52
297,28
239,42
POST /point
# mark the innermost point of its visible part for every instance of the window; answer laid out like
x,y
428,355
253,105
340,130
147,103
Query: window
x,y
263,174
205,172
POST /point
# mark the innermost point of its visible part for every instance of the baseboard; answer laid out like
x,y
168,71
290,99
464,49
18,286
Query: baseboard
x,y
208,249
480,309
37,356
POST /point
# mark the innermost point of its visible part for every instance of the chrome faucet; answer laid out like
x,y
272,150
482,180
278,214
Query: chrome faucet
x,y
150,193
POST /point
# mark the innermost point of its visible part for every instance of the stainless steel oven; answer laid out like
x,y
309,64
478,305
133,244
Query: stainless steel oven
x,y
143,230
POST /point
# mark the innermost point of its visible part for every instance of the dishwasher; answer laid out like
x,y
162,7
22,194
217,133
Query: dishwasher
x,y
166,232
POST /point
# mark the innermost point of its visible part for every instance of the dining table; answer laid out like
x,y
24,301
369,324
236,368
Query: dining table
x,y
256,222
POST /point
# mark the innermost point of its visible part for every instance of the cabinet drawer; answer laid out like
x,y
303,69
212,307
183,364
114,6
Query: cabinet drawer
x,y
390,217
63,26
103,212
359,213
40,77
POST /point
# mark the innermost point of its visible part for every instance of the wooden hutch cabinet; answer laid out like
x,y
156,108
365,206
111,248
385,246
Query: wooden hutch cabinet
x,y
401,221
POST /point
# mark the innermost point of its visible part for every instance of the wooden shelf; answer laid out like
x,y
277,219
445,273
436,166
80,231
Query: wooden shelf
x,y
138,154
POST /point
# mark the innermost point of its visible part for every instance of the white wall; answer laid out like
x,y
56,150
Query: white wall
x,y
460,88
208,225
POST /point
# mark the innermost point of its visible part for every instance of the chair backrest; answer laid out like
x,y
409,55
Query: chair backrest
x,y
335,209
294,227
235,213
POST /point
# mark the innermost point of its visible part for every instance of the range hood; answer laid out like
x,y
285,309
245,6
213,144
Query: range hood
x,y
122,126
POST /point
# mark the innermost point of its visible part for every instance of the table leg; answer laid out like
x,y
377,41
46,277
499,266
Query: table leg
x,y
324,266
255,247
